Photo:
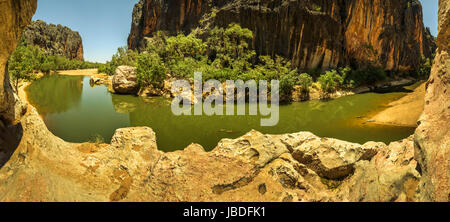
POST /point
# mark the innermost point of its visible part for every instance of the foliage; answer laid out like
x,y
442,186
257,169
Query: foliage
x,y
123,56
21,65
305,81
424,70
150,70
181,46
27,60
330,81
229,48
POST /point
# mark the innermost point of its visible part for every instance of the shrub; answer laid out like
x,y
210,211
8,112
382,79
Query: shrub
x,y
287,83
150,70
424,70
305,82
329,82
230,46
123,56
181,46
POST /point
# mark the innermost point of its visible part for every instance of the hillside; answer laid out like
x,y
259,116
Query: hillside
x,y
54,39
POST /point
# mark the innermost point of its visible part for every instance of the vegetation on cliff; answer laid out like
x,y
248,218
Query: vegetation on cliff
x,y
310,34
226,55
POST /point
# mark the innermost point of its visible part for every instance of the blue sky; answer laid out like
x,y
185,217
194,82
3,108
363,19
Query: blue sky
x,y
104,25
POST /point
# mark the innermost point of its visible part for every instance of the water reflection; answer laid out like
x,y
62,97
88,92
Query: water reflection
x,y
78,112
56,94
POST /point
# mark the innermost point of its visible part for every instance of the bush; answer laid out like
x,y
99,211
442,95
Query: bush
x,y
329,82
123,57
305,82
229,47
181,46
424,70
287,83
150,70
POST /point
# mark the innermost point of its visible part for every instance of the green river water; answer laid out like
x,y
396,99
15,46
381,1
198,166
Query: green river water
x,y
77,112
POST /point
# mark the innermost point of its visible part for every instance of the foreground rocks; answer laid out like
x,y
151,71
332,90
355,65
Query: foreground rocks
x,y
254,167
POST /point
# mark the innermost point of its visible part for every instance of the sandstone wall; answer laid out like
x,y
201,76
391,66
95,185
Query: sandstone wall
x,y
54,39
433,134
14,17
312,33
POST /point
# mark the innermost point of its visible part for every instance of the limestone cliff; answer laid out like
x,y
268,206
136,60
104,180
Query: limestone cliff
x,y
432,137
311,33
15,16
54,39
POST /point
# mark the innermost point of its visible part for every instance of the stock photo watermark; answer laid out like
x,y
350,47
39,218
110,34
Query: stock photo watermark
x,y
239,96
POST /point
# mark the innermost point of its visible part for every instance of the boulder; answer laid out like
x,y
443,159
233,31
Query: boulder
x,y
125,80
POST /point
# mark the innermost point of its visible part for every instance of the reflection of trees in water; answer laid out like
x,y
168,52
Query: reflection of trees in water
x,y
56,94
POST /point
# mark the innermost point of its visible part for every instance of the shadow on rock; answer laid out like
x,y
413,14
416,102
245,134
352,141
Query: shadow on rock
x,y
10,137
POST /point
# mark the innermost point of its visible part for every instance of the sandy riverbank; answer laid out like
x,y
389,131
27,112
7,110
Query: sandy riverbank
x,y
79,72
405,111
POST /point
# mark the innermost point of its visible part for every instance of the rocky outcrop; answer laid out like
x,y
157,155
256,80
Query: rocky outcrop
x,y
125,80
54,39
432,137
15,16
311,33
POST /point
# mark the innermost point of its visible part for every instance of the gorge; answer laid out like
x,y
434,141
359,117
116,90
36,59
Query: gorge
x,y
38,166
311,34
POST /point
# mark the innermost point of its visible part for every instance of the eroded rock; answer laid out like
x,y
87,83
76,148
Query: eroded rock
x,y
125,80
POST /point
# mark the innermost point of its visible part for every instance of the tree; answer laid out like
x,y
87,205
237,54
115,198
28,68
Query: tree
x,y
21,65
150,70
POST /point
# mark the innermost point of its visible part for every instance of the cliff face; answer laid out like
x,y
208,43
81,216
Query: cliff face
x,y
432,137
15,16
54,39
312,33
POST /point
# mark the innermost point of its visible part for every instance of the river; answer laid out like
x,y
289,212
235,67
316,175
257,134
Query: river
x,y
77,112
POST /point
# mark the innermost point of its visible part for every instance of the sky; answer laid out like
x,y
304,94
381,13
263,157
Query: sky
x,y
104,25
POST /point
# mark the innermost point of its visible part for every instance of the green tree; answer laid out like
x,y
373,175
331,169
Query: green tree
x,y
21,65
150,70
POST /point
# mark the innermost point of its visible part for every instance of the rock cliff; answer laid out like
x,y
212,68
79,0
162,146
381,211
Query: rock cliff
x,y
432,137
54,39
311,33
15,16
